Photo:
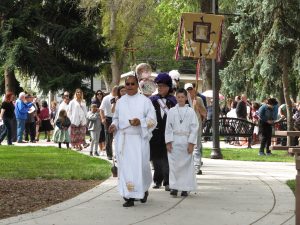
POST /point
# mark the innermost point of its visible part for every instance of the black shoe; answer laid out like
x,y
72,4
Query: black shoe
x,y
167,188
199,172
96,154
144,200
184,193
156,186
174,192
91,153
109,157
129,203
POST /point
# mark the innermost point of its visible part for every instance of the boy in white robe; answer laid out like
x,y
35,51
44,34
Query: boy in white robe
x,y
133,122
181,136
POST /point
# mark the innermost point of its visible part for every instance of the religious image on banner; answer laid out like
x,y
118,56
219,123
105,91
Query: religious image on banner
x,y
202,35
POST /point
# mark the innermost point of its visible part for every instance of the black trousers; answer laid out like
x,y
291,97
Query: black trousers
x,y
108,137
161,171
266,134
29,130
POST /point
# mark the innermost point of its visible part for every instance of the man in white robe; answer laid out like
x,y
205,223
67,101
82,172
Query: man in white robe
x,y
133,122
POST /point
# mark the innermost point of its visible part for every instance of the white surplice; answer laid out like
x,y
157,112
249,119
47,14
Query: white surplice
x,y
182,173
132,147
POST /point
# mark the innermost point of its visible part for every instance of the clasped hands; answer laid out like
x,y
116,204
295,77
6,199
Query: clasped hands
x,y
134,122
190,148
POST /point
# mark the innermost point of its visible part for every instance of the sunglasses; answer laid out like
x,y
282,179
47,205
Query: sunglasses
x,y
189,89
128,84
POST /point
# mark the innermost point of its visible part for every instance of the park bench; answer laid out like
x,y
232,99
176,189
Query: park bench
x,y
230,127
282,133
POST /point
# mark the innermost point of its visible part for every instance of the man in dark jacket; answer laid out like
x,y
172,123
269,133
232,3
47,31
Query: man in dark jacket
x,y
162,102
241,108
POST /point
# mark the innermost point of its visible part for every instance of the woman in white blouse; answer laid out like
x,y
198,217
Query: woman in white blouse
x,y
77,112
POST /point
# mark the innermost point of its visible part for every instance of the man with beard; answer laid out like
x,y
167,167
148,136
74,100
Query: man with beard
x,y
162,102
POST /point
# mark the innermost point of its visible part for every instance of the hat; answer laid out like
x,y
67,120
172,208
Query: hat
x,y
188,85
174,74
164,78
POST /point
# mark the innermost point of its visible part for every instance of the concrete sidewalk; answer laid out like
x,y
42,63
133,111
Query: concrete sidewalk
x,y
229,192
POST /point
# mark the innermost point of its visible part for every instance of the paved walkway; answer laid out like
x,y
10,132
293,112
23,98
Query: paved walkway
x,y
229,193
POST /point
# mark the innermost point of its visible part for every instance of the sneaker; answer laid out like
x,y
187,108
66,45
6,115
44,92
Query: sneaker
x,y
174,192
96,154
261,154
86,145
109,157
91,153
269,153
167,188
184,194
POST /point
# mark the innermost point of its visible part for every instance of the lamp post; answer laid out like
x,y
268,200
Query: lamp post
x,y
216,151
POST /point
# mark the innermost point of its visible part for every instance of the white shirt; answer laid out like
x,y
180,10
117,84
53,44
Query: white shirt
x,y
106,105
77,112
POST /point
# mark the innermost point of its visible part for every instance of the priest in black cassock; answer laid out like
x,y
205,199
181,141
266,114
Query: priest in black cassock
x,y
162,102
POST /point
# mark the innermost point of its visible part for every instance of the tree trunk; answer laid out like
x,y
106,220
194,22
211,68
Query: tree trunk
x,y
115,68
10,80
286,92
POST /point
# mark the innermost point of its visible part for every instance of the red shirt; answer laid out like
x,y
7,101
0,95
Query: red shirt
x,y
44,114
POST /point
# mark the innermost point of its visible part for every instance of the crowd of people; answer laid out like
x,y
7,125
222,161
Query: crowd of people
x,y
163,128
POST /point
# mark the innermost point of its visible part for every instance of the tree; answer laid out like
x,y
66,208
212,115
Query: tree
x,y
268,51
49,41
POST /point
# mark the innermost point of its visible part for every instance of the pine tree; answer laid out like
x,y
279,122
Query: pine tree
x,y
268,33
50,41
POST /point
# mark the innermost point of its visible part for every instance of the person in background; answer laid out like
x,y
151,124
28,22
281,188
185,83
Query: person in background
x,y
181,136
45,121
77,112
53,111
267,116
61,134
121,91
94,127
30,129
37,118
7,115
106,119
197,104
21,111
97,99
255,120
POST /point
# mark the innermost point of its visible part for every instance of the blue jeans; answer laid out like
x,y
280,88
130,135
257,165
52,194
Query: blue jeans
x,y
20,129
7,123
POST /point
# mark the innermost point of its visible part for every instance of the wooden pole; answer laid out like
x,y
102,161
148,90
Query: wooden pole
x,y
297,194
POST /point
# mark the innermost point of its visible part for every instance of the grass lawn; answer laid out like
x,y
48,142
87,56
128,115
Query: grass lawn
x,y
244,154
50,163
292,185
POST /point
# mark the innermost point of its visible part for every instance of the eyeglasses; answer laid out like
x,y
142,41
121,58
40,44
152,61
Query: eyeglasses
x,y
128,84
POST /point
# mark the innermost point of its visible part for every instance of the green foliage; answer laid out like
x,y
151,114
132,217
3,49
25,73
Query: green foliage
x,y
292,185
251,155
51,42
263,30
50,163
